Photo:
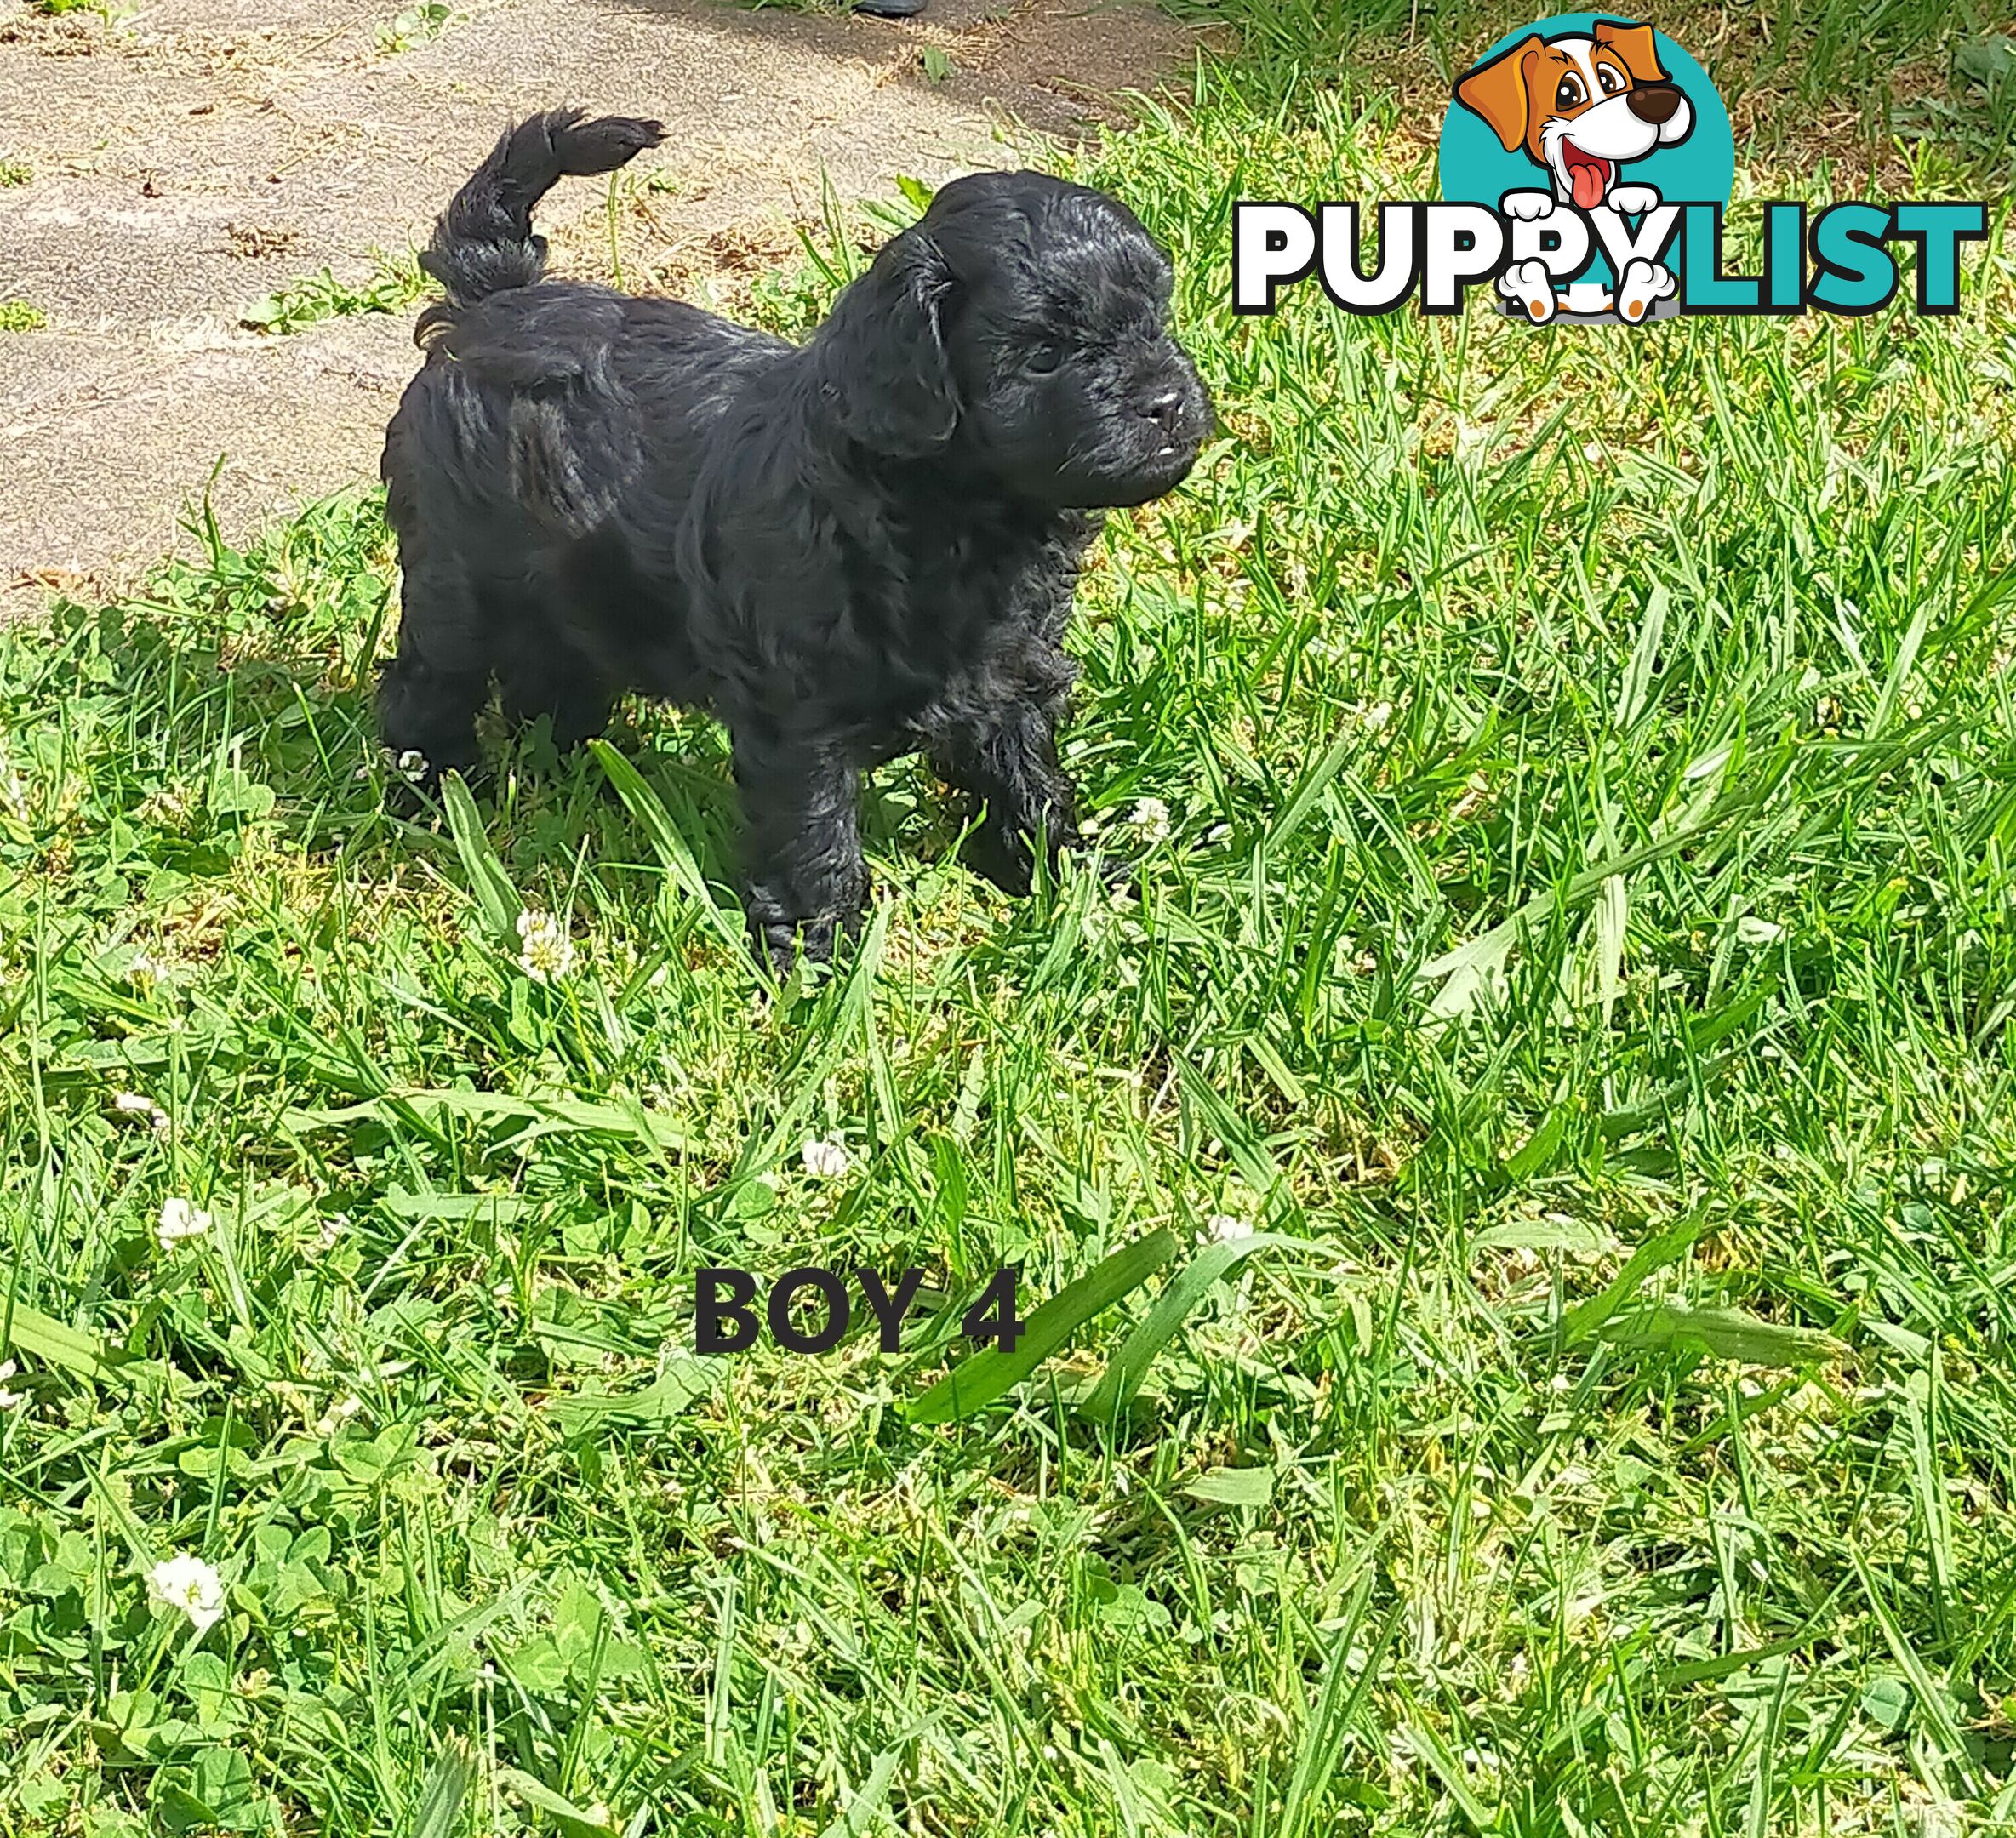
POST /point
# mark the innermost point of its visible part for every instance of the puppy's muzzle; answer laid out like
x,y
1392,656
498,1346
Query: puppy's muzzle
x,y
1168,411
1654,103
1180,410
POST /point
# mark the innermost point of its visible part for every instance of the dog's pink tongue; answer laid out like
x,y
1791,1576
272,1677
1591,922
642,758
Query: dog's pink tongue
x,y
1588,182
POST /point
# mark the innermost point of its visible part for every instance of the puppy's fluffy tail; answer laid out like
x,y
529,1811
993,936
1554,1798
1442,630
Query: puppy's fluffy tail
x,y
483,243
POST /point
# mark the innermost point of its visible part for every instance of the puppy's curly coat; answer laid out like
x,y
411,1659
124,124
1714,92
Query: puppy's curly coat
x,y
850,549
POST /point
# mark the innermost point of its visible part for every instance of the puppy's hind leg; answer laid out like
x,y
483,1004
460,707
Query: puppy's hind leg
x,y
429,694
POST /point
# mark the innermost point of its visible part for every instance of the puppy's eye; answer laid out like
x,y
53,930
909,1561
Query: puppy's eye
x,y
1045,358
1609,79
1570,93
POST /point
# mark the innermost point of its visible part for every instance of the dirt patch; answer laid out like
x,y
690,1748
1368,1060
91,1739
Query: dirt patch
x,y
252,423
195,158
257,242
1085,55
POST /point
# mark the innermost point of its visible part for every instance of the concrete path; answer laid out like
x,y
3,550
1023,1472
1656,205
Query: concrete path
x,y
187,160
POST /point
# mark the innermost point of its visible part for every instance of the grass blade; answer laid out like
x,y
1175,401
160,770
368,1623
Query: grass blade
x,y
1296,812
545,1116
1450,1771
1635,696
535,1795
674,855
57,1343
1262,1172
868,1798
1471,969
1653,1255
976,1382
440,1812
1726,1332
1127,1367
489,883
1337,1708
1933,1705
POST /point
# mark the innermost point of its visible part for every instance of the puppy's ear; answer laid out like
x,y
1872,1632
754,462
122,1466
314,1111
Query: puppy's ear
x,y
1637,45
885,370
1497,91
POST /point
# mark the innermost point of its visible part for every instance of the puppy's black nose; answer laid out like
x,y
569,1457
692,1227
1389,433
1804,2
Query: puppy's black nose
x,y
1166,410
1654,102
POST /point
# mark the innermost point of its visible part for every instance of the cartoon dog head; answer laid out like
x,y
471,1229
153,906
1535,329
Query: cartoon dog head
x,y
1580,106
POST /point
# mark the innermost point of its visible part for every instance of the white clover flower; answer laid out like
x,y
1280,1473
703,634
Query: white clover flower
x,y
10,1400
1222,1228
144,968
188,1585
179,1220
1151,816
546,952
139,1104
826,1160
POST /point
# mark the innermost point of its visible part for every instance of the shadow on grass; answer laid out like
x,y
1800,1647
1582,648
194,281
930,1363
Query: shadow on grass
x,y
241,688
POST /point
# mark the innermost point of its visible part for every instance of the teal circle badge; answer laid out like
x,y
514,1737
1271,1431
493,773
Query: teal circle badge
x,y
1594,112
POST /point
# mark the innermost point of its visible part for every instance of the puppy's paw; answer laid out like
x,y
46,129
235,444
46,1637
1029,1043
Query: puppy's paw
x,y
780,945
1528,206
1007,857
1529,286
1644,284
1003,856
1633,200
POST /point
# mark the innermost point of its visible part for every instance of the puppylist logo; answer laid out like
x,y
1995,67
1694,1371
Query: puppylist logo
x,y
1586,165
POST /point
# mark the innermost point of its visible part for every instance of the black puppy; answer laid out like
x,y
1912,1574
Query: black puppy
x,y
850,549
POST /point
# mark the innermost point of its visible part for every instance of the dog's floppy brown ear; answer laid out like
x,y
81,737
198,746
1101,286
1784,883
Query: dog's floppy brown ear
x,y
1497,91
885,370
1637,45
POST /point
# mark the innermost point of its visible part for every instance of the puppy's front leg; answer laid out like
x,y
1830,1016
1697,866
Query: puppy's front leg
x,y
1010,767
806,880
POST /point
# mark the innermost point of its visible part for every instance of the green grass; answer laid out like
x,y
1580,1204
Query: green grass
x,y
1584,928
22,316
414,26
394,285
1822,81
14,173
110,11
